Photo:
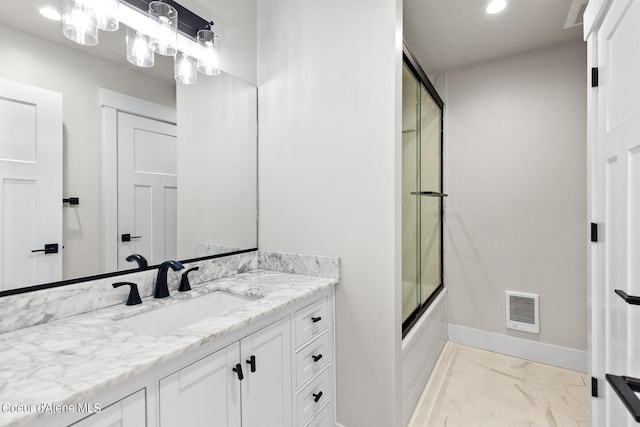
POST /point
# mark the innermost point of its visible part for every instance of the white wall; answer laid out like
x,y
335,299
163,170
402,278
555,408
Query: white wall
x,y
78,76
236,23
217,164
516,219
329,77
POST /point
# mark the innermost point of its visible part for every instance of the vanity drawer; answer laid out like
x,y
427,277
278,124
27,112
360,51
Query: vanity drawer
x,y
313,398
312,359
323,419
311,320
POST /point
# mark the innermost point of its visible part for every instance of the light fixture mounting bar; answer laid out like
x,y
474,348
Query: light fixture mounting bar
x,y
188,22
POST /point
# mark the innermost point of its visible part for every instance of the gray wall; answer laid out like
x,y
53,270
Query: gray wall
x,y
329,77
515,169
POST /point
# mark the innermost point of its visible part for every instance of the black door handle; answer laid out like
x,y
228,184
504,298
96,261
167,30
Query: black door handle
x,y
316,319
629,299
626,389
317,397
316,358
238,370
128,237
252,363
49,248
72,200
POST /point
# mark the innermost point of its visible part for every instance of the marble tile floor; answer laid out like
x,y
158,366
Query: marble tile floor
x,y
476,388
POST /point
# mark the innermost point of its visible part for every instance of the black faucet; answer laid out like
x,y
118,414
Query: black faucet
x,y
162,289
142,261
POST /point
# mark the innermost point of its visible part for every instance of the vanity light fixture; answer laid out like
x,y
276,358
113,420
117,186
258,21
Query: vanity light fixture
x,y
79,23
139,50
164,39
496,6
209,61
185,69
106,12
50,13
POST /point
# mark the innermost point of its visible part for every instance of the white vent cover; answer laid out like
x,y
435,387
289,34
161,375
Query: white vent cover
x,y
522,311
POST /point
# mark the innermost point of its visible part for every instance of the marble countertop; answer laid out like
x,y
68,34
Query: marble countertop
x,y
67,360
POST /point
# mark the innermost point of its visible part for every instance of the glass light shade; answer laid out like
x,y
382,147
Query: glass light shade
x,y
139,51
106,12
79,23
185,69
209,61
164,39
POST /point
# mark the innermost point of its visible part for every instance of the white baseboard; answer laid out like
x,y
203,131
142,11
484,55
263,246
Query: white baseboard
x,y
549,354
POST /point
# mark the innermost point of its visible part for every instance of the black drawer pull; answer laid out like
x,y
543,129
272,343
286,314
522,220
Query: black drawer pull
x,y
629,299
316,319
252,363
317,397
626,388
238,370
316,358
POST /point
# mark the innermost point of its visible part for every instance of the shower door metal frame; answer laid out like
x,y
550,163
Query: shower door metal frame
x,y
415,68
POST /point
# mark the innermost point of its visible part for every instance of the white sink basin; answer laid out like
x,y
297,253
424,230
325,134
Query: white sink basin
x,y
163,320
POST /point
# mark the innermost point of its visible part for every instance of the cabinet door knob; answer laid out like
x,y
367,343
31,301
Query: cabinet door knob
x,y
316,358
252,363
317,397
316,319
238,370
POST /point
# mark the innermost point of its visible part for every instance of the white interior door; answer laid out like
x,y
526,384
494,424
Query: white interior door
x,y
31,185
617,194
147,189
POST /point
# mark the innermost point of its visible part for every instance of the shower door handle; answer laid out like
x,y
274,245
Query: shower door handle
x,y
429,194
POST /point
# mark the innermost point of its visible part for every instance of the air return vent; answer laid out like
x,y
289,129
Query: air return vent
x,y
523,313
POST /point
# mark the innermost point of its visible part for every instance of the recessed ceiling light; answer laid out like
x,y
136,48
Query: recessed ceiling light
x,y
50,13
496,6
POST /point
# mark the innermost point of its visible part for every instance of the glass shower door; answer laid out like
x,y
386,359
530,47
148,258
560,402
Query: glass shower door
x,y
421,197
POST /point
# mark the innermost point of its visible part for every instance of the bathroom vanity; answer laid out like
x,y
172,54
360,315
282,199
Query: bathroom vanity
x,y
255,348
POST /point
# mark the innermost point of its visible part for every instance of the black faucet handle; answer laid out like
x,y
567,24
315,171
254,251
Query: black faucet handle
x,y
184,283
134,295
142,261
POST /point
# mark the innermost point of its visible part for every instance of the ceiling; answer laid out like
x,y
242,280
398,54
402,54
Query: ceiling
x,y
447,34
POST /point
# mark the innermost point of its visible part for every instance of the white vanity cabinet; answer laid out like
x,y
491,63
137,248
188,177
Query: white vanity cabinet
x,y
277,371
128,412
247,383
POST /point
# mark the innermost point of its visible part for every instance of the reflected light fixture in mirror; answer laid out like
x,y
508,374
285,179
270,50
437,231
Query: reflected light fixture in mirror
x,y
139,50
79,23
209,62
164,39
185,69
50,13
106,12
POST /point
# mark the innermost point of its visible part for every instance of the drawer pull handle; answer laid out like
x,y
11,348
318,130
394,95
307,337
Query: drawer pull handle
x,y
316,319
238,370
317,397
316,358
252,363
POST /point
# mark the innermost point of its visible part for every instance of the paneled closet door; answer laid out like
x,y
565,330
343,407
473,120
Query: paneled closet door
x,y
30,185
617,194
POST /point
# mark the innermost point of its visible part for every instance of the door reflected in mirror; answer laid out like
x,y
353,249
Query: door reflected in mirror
x,y
181,185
